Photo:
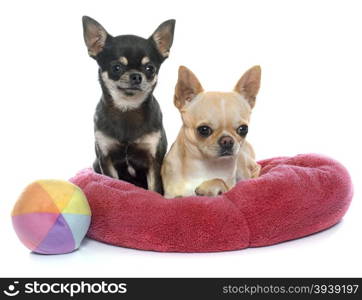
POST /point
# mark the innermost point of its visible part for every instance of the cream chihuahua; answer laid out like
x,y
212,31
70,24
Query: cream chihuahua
x,y
210,153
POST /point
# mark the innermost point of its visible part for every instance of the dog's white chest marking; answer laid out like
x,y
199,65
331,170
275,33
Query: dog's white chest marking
x,y
224,168
105,143
147,142
131,170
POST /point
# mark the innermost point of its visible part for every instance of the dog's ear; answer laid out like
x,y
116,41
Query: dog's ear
x,y
187,87
94,36
249,84
163,37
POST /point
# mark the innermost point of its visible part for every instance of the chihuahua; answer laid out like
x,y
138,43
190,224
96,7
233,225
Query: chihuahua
x,y
211,153
130,140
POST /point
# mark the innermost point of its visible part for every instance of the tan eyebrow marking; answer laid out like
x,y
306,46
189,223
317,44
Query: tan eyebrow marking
x,y
145,60
123,60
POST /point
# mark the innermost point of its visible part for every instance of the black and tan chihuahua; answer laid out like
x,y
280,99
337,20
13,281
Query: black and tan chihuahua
x,y
130,140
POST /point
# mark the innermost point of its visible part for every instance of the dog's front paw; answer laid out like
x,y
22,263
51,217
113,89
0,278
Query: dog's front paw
x,y
255,171
213,187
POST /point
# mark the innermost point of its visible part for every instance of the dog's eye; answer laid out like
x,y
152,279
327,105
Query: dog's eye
x,y
150,69
242,130
204,131
116,69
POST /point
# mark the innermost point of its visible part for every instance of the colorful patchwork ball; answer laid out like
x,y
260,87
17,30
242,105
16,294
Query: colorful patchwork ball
x,y
51,217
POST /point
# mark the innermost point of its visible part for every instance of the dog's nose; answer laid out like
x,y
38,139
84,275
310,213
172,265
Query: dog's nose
x,y
135,78
226,142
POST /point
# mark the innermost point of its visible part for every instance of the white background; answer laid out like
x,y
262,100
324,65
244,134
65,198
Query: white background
x,y
310,101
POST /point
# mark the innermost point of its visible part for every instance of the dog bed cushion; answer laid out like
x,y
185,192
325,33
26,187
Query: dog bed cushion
x,y
293,197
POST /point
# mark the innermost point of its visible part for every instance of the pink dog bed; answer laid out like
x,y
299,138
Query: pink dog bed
x,y
292,198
